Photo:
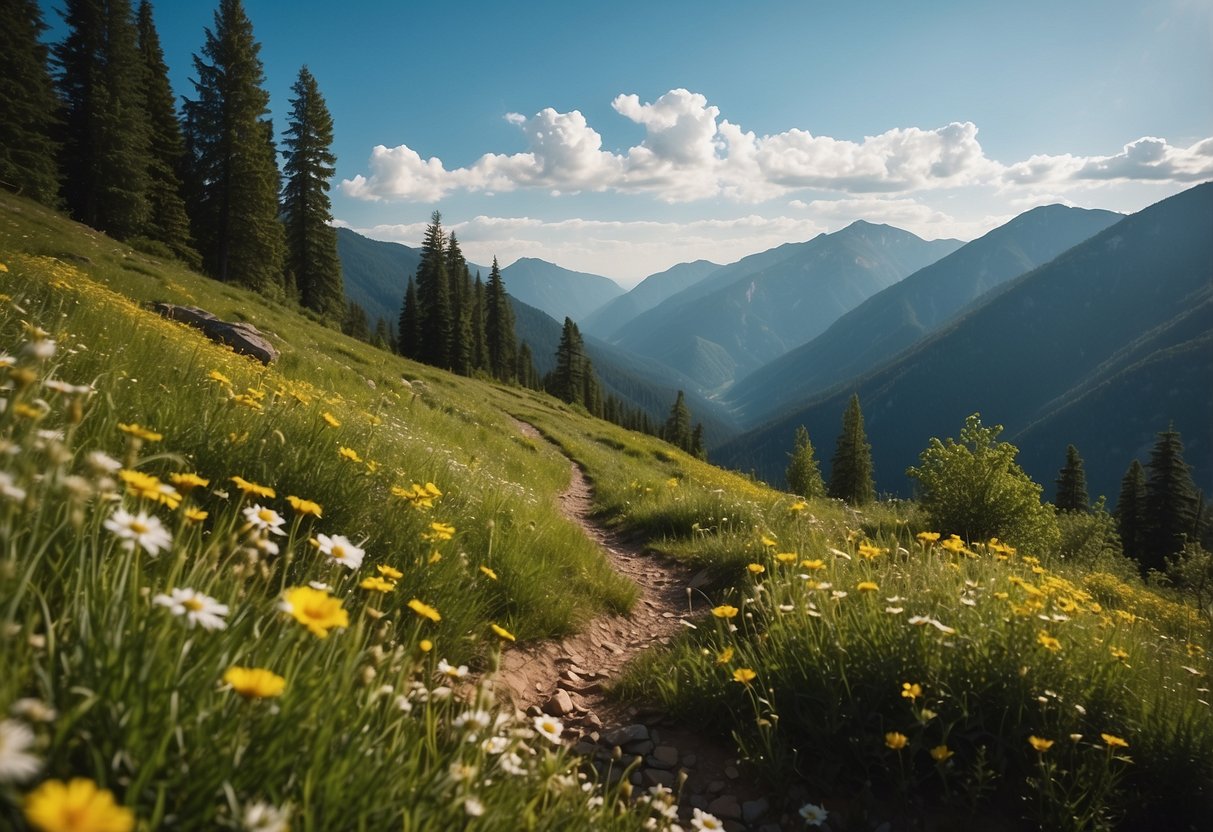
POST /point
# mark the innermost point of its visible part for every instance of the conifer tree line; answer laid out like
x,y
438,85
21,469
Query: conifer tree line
x,y
91,125
451,321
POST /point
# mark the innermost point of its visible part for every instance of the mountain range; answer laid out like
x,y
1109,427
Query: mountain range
x,y
1101,347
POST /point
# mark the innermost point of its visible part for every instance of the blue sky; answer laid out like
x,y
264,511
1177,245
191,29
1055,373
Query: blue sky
x,y
623,138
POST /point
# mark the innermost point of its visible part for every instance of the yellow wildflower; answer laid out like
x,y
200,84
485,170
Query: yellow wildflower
x,y
767,540
867,586
304,507
799,505
744,675
147,487
425,645
911,691
1113,741
188,482
424,610
868,551
330,419
488,572
438,531
196,515
928,537
725,611
377,584
315,609
756,568
502,632
814,565
215,375
786,557
76,806
254,682
725,656
253,488
1041,745
389,573
136,430
895,740
941,753
1048,642
349,453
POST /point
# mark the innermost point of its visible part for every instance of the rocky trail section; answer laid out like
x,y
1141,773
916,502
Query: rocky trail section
x,y
567,679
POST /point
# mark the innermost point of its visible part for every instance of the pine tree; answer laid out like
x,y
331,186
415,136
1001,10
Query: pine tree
x,y
106,137
231,158
409,327
461,346
591,394
499,327
568,379
383,335
677,429
1131,518
851,466
804,473
28,150
168,222
1072,484
356,323
311,241
480,352
697,448
1171,501
526,374
434,298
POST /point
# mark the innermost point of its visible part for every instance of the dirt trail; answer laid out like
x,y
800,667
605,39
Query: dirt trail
x,y
566,678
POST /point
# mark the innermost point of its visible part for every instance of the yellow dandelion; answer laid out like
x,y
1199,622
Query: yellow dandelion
x,y
76,806
744,675
215,375
330,419
488,572
768,540
438,532
895,740
928,537
196,515
1113,741
254,682
139,432
377,584
304,507
867,586
315,609
941,753
869,551
349,453
188,482
725,611
1048,642
813,565
252,488
502,632
798,506
1040,744
725,656
756,568
425,645
424,610
786,557
911,691
389,573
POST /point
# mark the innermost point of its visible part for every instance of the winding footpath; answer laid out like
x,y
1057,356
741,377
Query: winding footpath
x,y
567,679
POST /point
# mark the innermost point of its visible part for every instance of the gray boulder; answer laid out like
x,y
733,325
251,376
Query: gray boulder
x,y
244,338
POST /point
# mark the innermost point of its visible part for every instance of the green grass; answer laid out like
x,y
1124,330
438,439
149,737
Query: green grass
x,y
365,734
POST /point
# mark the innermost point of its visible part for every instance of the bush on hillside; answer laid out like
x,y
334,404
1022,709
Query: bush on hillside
x,y
974,488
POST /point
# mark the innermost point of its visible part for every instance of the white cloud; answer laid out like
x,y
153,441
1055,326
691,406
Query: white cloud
x,y
689,153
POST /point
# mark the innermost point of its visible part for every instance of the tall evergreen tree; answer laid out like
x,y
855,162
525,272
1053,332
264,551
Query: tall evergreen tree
x,y
1131,520
1171,501
311,241
697,448
28,150
499,327
409,327
804,473
677,429
1072,484
568,379
231,157
383,335
851,466
105,128
526,374
434,297
480,352
591,395
356,324
461,346
168,222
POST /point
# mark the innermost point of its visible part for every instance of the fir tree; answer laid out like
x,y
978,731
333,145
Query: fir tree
x,y
697,448
356,323
1131,519
311,240
526,374
461,346
568,380
383,335
677,429
499,327
480,353
106,137
851,466
28,151
168,223
1072,484
434,298
591,395
409,327
1171,501
804,473
231,157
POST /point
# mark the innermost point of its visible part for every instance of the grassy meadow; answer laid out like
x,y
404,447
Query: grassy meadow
x,y
237,597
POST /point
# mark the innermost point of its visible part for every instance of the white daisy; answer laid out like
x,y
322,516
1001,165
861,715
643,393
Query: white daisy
x,y
473,807
16,763
813,814
196,607
705,822
140,529
262,817
265,519
549,727
33,710
9,489
41,349
448,669
512,764
340,550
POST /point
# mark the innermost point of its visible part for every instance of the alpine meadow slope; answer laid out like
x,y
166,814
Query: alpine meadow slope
x,y
893,319
1032,344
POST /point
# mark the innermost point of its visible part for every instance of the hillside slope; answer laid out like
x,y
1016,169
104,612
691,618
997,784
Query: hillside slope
x,y
646,294
560,292
1030,345
893,319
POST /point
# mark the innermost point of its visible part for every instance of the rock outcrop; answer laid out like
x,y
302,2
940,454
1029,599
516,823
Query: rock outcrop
x,y
244,338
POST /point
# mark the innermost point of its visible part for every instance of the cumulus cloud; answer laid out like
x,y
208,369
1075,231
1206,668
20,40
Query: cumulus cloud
x,y
690,153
